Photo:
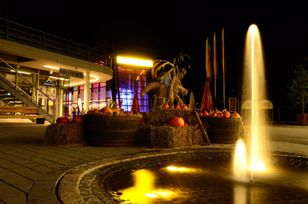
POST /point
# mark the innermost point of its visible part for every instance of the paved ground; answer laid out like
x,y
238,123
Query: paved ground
x,y
29,169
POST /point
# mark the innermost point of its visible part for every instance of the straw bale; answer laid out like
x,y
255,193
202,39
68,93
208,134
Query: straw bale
x,y
159,117
170,137
197,138
64,134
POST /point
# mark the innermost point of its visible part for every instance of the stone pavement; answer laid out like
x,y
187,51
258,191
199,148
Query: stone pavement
x,y
29,170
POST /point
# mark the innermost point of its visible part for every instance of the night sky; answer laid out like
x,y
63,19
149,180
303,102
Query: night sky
x,y
162,29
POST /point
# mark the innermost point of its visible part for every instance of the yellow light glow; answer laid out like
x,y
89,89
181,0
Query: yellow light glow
x,y
178,169
134,61
59,78
240,161
20,72
151,195
51,67
258,166
161,193
144,190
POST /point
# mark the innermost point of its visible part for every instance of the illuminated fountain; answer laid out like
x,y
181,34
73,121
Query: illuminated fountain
x,y
204,175
254,96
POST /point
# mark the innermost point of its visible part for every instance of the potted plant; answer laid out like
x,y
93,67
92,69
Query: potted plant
x,y
299,93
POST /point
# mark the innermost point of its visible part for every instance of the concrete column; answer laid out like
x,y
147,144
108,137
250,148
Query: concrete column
x,y
86,97
34,87
57,104
61,96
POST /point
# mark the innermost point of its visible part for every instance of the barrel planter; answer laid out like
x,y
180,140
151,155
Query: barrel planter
x,y
223,130
302,119
112,131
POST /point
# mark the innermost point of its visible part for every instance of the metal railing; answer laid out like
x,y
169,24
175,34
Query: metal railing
x,y
25,35
24,97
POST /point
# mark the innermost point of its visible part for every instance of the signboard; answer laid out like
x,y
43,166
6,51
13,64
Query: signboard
x,y
70,73
48,82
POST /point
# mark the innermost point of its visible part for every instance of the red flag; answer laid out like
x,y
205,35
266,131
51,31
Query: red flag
x,y
208,59
207,100
135,106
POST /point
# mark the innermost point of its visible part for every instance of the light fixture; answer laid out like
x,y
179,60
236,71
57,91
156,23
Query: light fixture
x,y
140,62
51,67
96,78
20,72
59,78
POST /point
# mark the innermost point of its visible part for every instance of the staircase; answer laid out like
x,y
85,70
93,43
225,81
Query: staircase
x,y
7,99
17,94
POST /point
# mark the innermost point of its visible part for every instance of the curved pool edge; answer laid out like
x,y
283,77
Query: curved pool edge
x,y
83,184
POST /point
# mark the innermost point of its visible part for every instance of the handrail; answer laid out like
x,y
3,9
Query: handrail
x,y
19,33
23,94
38,89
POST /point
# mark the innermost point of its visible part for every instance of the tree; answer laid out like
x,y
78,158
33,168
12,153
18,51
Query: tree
x,y
299,87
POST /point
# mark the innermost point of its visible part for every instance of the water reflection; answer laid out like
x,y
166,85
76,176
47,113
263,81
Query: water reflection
x,y
181,169
143,191
215,184
239,194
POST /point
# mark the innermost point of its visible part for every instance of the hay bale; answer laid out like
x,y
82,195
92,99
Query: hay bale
x,y
159,117
64,134
197,138
170,137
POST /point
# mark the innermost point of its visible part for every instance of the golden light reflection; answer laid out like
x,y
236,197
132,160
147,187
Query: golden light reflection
x,y
239,161
239,194
180,169
144,190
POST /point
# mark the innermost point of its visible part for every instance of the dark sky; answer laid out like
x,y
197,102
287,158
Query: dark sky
x,y
162,29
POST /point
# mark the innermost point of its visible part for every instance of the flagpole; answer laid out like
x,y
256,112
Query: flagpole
x,y
207,62
223,66
215,65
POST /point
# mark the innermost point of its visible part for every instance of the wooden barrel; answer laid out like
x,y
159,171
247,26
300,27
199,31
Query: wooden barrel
x,y
112,131
223,130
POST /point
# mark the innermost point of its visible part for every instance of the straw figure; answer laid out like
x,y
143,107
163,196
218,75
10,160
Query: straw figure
x,y
167,80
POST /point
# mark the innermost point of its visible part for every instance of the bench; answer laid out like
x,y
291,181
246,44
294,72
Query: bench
x,y
21,112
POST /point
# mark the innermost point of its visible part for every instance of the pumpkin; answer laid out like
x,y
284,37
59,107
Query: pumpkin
x,y
165,106
77,119
184,107
176,121
106,110
236,115
63,120
227,114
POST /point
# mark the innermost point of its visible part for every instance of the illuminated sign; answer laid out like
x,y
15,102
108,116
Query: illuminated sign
x,y
70,73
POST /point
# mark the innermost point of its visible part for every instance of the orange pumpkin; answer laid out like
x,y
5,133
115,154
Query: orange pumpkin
x,y
176,121
227,114
63,120
77,119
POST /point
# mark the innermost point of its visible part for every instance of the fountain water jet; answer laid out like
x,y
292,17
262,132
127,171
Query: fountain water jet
x,y
254,96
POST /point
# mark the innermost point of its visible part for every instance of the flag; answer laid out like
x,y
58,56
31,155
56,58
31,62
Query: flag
x,y
215,64
207,100
135,106
214,56
223,52
208,59
223,67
